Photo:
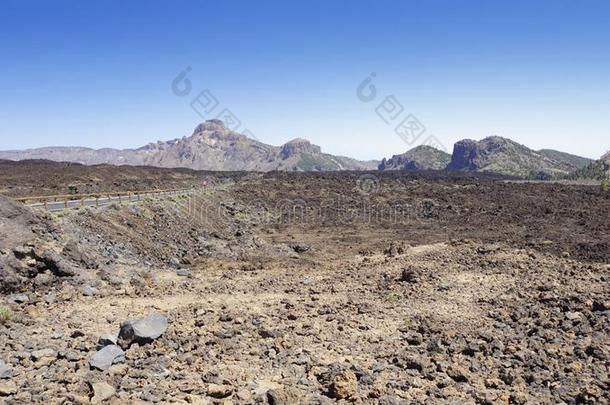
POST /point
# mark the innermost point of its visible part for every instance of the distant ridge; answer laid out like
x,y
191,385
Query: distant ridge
x,y
211,147
492,154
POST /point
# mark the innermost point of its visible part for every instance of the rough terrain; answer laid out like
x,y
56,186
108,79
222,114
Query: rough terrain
x,y
290,288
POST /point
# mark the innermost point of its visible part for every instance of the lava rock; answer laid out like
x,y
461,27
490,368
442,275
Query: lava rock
x,y
409,275
300,247
57,265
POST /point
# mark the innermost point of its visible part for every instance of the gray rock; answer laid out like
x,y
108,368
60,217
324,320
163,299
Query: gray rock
x,y
183,273
5,370
89,291
50,298
106,357
43,279
21,252
57,265
143,330
107,340
39,354
18,299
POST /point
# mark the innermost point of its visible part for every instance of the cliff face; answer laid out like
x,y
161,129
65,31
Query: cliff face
x,y
465,155
504,156
211,147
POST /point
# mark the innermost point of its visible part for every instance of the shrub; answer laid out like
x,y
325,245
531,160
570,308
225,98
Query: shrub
x,y
5,314
604,185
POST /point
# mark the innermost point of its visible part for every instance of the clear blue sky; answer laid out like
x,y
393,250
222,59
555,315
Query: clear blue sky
x,y
99,73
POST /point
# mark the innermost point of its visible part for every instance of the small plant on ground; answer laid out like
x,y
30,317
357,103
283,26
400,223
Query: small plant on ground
x,y
5,314
604,185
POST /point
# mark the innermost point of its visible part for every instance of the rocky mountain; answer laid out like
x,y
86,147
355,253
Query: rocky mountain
x,y
595,170
211,147
504,156
422,157
573,160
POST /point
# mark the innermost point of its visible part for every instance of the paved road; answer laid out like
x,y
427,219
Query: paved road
x,y
93,202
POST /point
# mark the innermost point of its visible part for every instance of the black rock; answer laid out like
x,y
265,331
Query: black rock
x,y
300,247
409,275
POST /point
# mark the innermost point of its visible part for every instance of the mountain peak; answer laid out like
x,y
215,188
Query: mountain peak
x,y
210,125
422,157
297,146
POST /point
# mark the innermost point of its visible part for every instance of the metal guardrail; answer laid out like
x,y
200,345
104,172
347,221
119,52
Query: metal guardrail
x,y
64,201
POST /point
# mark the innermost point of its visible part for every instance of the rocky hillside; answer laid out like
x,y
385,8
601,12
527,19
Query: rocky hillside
x,y
595,170
422,157
573,160
501,155
211,147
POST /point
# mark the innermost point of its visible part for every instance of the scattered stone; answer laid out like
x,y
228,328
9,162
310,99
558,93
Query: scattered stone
x,y
22,252
268,333
219,391
89,291
18,299
143,330
5,370
50,298
107,340
409,275
343,385
106,357
72,356
57,265
73,252
44,353
457,373
300,247
118,369
183,273
101,392
8,388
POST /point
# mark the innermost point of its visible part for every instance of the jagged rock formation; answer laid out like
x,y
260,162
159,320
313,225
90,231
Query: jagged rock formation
x,y
422,157
211,147
504,156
